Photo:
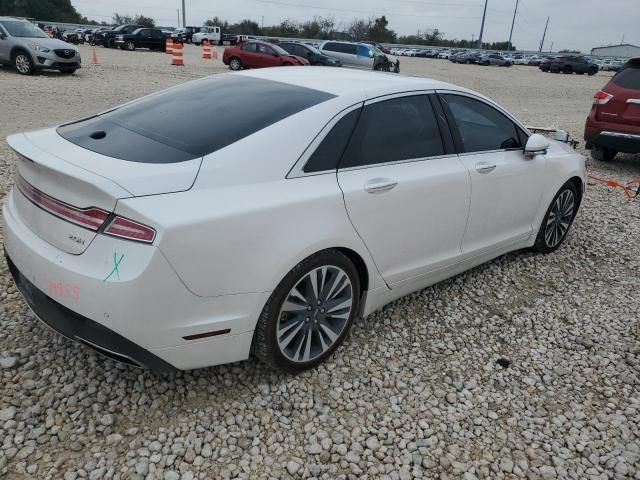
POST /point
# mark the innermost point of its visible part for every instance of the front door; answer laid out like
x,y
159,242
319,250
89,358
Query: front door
x,y
506,185
406,194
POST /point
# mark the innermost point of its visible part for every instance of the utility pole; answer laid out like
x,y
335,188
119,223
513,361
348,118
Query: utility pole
x,y
551,49
515,12
262,22
184,15
544,34
178,10
484,16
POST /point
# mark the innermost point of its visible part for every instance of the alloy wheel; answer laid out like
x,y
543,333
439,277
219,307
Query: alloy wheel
x,y
314,314
235,64
22,63
559,218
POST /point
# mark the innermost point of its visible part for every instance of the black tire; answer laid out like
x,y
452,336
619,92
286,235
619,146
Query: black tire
x,y
130,45
68,71
542,245
591,73
111,43
287,64
235,63
567,70
603,154
507,64
23,63
265,344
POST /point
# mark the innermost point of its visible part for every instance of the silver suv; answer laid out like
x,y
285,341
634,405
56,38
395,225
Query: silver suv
x,y
27,48
360,55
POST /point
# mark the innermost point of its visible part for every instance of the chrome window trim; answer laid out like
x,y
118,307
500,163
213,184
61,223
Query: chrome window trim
x,y
398,162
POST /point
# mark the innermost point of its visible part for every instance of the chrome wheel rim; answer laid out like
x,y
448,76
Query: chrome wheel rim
x,y
315,314
235,65
559,219
22,64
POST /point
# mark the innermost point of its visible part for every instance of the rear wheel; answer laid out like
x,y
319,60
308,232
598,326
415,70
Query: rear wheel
x,y
23,63
235,64
309,314
603,154
592,72
557,222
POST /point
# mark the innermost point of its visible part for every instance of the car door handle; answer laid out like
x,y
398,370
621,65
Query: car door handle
x,y
380,186
484,168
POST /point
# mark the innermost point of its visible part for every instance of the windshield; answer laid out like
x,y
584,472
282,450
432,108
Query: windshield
x,y
280,50
117,29
313,49
23,29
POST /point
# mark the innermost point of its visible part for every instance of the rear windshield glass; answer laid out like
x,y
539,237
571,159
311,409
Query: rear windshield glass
x,y
192,120
629,77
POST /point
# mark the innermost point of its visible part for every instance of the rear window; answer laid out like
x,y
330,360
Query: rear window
x,y
629,77
192,120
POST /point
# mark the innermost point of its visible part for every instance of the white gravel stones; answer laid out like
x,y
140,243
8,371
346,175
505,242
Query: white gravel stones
x,y
528,367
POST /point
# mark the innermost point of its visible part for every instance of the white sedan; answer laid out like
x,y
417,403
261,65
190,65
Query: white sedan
x,y
282,205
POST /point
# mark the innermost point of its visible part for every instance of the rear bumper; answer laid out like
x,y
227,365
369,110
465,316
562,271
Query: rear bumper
x,y
84,330
610,135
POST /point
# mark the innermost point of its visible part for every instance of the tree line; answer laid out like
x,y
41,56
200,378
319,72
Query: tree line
x,y
321,28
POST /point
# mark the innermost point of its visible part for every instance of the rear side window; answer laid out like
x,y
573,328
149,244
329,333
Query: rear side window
x,y
481,127
192,120
628,77
393,130
329,152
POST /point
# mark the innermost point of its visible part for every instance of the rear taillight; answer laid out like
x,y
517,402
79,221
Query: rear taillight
x,y
124,228
91,218
602,98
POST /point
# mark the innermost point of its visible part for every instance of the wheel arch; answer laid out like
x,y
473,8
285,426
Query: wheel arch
x,y
577,182
16,49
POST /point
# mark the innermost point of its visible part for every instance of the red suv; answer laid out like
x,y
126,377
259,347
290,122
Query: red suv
x,y
614,122
259,55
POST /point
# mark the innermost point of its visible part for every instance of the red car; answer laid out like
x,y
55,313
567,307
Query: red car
x,y
614,122
259,55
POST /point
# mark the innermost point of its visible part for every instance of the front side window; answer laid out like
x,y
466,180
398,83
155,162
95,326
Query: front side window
x,y
264,49
394,130
481,127
332,47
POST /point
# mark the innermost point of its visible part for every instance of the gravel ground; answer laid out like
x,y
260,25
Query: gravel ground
x,y
527,367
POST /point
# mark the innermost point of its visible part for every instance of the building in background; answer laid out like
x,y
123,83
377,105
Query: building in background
x,y
624,51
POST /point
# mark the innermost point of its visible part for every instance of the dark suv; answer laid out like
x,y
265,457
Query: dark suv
x,y
107,38
572,64
613,125
151,38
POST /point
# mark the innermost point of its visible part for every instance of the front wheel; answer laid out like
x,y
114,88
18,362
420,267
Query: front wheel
x,y
309,314
557,222
111,43
130,45
23,63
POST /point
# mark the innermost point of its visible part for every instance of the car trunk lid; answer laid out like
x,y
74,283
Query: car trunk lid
x,y
62,187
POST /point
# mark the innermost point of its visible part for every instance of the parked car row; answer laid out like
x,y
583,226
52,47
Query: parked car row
x,y
259,54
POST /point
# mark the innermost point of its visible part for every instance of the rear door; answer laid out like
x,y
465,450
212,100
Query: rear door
x,y
5,49
624,107
250,57
406,192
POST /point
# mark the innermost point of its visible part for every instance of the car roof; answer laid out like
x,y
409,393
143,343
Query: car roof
x,y
361,84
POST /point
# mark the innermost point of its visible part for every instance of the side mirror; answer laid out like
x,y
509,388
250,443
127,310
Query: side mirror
x,y
2,36
536,145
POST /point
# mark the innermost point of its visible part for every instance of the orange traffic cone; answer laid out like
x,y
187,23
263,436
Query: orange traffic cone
x,y
169,46
177,55
215,53
94,61
206,50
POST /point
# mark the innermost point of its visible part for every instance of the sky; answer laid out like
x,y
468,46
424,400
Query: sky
x,y
574,24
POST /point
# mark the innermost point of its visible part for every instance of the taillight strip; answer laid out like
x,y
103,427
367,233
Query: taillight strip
x,y
91,218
